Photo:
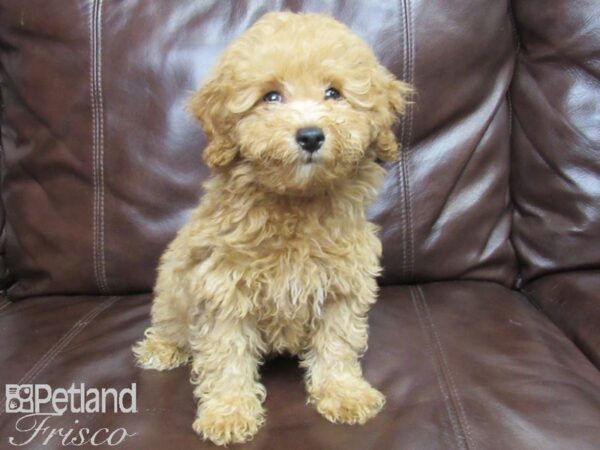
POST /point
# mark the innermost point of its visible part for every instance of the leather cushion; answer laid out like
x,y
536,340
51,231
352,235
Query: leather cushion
x,y
102,163
464,365
571,300
556,137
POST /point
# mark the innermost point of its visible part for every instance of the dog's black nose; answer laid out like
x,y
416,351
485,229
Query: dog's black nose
x,y
310,138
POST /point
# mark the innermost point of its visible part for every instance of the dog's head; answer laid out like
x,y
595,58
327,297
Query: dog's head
x,y
300,100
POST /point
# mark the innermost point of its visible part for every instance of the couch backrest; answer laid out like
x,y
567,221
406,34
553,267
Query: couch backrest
x,y
101,163
556,138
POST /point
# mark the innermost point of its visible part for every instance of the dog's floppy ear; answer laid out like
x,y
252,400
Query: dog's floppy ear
x,y
209,105
395,97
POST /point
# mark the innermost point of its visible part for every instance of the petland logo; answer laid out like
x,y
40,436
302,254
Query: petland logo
x,y
41,403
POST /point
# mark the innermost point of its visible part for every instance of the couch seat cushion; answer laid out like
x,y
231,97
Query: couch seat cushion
x,y
464,365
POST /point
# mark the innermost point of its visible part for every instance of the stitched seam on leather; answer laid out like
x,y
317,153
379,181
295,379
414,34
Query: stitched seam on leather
x,y
101,147
4,304
60,345
94,143
96,93
447,374
399,165
450,410
405,139
409,111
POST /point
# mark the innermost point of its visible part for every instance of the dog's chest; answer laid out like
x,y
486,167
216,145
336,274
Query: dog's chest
x,y
295,282
285,272
294,279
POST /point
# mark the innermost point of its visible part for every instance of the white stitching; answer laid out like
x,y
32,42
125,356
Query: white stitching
x,y
411,60
101,151
60,345
99,252
94,144
403,180
450,411
462,417
400,165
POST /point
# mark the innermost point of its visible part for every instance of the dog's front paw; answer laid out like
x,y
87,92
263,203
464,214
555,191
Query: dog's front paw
x,y
350,402
154,354
233,420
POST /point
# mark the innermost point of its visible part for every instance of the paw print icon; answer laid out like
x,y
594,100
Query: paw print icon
x,y
19,398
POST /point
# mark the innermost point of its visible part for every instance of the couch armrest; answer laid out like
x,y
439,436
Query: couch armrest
x,y
572,301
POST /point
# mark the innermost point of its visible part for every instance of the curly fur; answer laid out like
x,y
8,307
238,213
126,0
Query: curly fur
x,y
279,255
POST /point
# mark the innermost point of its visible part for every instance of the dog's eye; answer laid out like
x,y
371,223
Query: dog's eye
x,y
273,97
332,94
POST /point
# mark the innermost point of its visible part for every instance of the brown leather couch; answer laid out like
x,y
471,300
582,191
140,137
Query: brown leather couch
x,y
487,331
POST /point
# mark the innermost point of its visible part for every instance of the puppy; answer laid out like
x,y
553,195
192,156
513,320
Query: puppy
x,y
279,256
